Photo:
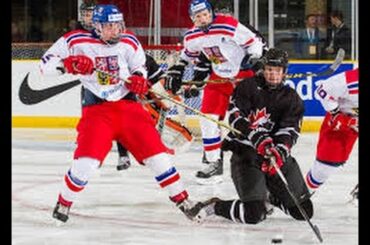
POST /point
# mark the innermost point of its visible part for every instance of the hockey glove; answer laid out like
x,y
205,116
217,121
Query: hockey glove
x,y
340,121
78,64
261,140
137,84
252,62
280,153
202,71
228,144
264,143
191,92
173,79
242,125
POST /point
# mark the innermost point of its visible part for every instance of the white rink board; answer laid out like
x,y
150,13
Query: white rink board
x,y
129,207
64,104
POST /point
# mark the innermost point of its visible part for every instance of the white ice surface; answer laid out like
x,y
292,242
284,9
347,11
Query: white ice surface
x,y
128,207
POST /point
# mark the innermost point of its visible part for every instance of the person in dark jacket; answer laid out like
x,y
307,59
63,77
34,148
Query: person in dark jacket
x,y
339,36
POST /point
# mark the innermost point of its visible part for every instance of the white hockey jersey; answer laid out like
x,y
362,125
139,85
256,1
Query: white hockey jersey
x,y
120,60
225,45
340,90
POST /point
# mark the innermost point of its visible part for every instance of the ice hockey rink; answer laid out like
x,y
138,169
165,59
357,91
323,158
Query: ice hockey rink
x,y
128,207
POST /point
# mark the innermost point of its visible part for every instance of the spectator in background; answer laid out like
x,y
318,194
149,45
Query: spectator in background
x,y
16,33
308,43
339,36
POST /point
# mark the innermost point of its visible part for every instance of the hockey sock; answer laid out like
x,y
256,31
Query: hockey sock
x,y
319,173
251,212
167,176
211,136
122,151
76,179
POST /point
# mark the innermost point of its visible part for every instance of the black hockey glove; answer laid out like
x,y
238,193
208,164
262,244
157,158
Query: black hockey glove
x,y
173,79
242,125
191,92
202,71
228,144
253,63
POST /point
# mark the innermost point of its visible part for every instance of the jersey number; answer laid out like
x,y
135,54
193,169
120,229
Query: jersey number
x,y
321,92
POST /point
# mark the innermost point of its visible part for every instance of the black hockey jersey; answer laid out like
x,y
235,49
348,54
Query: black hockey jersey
x,y
279,111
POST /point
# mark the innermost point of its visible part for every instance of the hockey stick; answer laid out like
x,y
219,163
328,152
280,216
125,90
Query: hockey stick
x,y
161,120
338,60
314,228
199,113
333,67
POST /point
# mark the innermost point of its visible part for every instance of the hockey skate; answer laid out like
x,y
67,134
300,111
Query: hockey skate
x,y
207,207
123,163
212,174
192,212
61,212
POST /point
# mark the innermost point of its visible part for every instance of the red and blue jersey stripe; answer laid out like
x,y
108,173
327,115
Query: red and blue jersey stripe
x,y
224,25
130,40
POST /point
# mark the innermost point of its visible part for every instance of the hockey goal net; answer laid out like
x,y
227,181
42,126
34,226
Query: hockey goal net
x,y
165,56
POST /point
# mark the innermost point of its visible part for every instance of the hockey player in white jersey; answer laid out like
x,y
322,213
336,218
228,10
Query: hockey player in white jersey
x,y
224,49
339,130
86,13
110,108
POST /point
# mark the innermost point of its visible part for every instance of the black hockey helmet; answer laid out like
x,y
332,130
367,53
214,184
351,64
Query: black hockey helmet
x,y
276,57
85,7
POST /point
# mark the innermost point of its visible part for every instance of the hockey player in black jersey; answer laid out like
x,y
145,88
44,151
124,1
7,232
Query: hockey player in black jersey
x,y
269,115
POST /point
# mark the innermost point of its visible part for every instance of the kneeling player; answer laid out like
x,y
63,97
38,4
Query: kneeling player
x,y
269,116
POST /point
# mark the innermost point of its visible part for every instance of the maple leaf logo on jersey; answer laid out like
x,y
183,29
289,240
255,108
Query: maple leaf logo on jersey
x,y
260,118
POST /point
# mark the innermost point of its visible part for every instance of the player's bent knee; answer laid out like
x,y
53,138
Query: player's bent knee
x,y
83,167
254,212
307,206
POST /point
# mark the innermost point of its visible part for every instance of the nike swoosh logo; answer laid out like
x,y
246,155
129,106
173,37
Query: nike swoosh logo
x,y
29,96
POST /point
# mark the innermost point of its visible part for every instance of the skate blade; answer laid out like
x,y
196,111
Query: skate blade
x,y
209,181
